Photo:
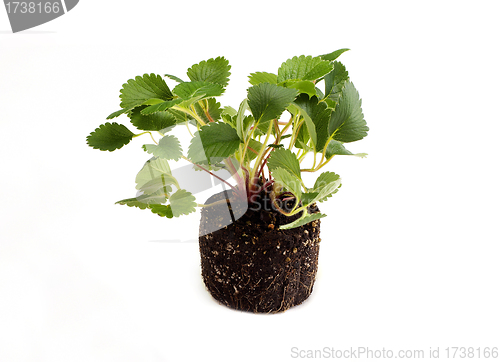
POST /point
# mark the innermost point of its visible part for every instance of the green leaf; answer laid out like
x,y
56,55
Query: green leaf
x,y
143,201
226,118
162,210
152,170
334,55
160,107
160,165
319,114
229,111
248,121
308,197
288,181
188,90
173,77
109,137
335,82
117,113
267,101
319,71
182,203
303,68
330,103
133,202
168,148
286,159
325,179
326,185
208,109
347,123
337,148
154,122
241,126
319,93
159,187
152,101
180,116
139,90
303,220
211,70
214,140
311,129
262,77
301,144
303,86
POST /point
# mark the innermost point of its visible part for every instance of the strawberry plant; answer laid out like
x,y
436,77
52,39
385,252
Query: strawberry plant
x,y
259,243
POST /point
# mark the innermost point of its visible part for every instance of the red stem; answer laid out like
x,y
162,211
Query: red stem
x,y
247,181
240,182
262,166
251,149
217,177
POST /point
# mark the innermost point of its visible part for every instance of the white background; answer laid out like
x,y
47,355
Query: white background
x,y
410,248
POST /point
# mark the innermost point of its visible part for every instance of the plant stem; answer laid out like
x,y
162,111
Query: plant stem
x,y
195,116
247,181
187,126
314,163
140,134
235,174
258,160
277,131
321,165
190,112
287,125
268,183
247,141
269,149
295,134
251,149
206,109
262,166
323,155
324,163
301,155
291,213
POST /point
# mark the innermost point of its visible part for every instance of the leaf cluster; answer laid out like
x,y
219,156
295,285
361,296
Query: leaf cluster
x,y
308,107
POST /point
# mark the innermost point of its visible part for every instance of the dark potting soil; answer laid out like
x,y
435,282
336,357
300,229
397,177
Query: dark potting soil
x,y
251,264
